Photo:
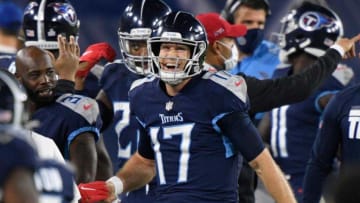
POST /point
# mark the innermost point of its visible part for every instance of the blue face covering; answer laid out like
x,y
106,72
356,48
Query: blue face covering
x,y
248,43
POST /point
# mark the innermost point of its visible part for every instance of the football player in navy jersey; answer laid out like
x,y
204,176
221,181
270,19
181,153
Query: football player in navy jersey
x,y
54,180
192,142
337,137
10,25
293,127
58,17
121,137
72,121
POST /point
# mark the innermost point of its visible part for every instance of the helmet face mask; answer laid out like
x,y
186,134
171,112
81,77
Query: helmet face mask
x,y
178,28
135,29
309,28
133,46
44,20
192,67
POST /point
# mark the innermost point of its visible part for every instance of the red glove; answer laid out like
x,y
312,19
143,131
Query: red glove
x,y
93,192
93,54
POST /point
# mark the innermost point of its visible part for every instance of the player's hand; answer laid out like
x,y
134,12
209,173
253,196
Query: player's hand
x,y
92,55
93,192
68,60
112,196
349,46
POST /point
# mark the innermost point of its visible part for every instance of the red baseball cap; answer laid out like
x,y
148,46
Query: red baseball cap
x,y
217,27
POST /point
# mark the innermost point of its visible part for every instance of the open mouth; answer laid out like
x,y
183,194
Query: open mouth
x,y
45,92
170,66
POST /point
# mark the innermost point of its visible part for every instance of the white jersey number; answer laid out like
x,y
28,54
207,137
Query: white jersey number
x,y
120,125
168,132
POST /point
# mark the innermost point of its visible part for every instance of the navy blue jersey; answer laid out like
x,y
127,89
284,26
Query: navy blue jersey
x,y
7,61
67,118
294,127
121,136
116,83
55,182
339,129
15,153
195,161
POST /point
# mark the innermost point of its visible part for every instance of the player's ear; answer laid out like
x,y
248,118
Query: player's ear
x,y
215,47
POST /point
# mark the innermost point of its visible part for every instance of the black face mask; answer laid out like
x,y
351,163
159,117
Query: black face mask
x,y
248,43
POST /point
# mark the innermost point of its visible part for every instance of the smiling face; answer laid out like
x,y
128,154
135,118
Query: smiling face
x,y
173,57
37,74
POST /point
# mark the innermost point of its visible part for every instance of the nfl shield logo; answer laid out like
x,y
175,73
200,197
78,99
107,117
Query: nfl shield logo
x,y
169,105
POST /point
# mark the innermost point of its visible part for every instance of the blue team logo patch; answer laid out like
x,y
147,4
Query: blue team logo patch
x,y
66,11
311,21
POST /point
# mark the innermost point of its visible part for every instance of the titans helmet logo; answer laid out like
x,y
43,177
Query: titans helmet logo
x,y
66,11
311,21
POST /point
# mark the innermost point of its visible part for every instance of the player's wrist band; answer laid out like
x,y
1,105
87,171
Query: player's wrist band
x,y
339,49
118,184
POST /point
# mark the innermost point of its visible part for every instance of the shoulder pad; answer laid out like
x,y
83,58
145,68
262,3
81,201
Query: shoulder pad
x,y
119,61
343,74
234,83
82,105
141,81
97,70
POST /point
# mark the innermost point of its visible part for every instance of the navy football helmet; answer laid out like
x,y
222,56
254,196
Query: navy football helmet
x,y
310,28
44,20
135,28
180,28
232,5
12,103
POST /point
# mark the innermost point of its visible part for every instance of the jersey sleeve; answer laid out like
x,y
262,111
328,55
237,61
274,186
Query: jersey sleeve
x,y
323,152
287,90
230,117
228,94
341,78
144,147
83,117
242,133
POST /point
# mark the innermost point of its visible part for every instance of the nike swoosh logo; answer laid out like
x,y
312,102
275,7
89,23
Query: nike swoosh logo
x,y
86,188
86,53
87,106
238,83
